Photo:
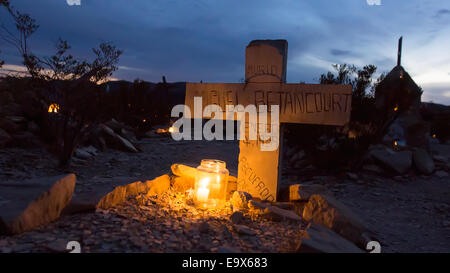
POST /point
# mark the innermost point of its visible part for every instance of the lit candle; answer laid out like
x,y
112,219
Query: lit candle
x,y
203,191
202,194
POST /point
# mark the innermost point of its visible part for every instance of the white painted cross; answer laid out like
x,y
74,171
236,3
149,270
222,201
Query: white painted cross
x,y
265,75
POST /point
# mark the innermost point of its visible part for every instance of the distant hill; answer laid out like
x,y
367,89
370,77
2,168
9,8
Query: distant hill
x,y
175,95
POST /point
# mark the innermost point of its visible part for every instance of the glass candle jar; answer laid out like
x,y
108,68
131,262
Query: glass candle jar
x,y
211,181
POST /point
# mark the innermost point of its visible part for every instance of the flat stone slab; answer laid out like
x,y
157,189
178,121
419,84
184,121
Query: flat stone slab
x,y
326,211
29,204
300,192
87,201
319,239
121,193
399,162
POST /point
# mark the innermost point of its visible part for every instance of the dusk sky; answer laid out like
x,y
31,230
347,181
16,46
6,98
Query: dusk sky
x,y
193,40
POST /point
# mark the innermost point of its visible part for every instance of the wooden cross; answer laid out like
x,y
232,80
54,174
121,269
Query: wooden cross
x,y
259,172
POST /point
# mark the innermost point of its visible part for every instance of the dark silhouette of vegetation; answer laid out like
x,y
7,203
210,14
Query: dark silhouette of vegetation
x,y
62,79
363,87
331,146
62,65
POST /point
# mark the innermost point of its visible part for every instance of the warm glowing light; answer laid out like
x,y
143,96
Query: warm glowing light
x,y
211,184
171,130
203,191
396,108
395,143
203,183
434,135
144,120
351,134
202,194
53,108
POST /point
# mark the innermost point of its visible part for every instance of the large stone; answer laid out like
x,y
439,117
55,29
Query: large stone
x,y
255,205
117,141
399,162
423,161
83,153
158,185
128,134
181,184
277,214
244,230
115,125
121,193
326,211
87,201
240,199
34,203
319,239
184,177
114,198
300,192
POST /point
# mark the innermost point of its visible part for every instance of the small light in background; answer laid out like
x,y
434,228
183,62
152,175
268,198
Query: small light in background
x,y
53,108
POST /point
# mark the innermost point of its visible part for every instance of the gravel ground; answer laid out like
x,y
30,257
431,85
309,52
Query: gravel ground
x,y
164,224
409,213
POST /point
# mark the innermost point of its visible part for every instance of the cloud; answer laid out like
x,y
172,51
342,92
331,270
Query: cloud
x,y
443,12
205,40
12,69
436,92
338,52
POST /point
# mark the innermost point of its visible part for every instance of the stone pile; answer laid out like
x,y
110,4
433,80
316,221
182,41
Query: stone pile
x,y
386,160
158,216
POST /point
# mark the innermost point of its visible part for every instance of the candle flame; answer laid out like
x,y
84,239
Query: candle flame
x,y
203,191
203,183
